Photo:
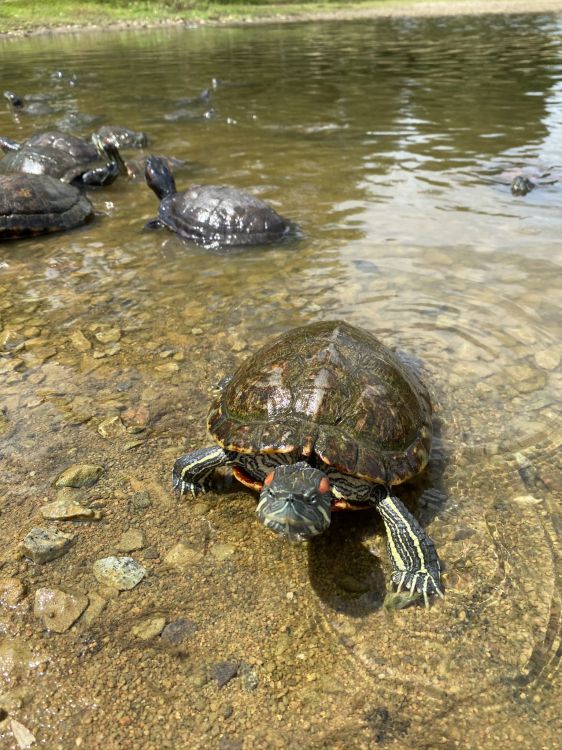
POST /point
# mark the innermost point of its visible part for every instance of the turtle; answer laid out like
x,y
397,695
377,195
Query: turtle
x,y
325,417
31,105
122,137
37,204
64,156
524,178
212,215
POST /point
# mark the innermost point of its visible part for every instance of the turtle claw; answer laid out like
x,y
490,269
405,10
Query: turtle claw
x,y
421,582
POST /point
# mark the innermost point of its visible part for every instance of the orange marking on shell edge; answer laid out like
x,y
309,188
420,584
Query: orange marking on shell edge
x,y
246,479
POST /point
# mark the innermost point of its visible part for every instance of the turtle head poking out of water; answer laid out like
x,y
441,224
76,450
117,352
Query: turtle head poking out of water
x,y
296,501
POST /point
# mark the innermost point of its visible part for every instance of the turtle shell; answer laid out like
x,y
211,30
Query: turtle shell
x,y
221,215
333,393
35,204
52,153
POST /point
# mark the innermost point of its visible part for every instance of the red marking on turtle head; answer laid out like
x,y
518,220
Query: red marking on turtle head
x,y
324,485
269,478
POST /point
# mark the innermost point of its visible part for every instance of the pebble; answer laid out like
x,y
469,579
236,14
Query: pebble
x,y
548,359
180,556
109,336
15,658
131,540
96,606
65,509
22,735
122,573
224,671
79,341
149,628
79,475
45,544
12,591
178,631
58,609
527,500
222,551
112,427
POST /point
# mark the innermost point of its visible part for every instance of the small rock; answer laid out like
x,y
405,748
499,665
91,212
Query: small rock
x,y
65,509
43,545
95,608
58,609
222,551
12,591
15,658
22,735
180,556
548,359
79,341
122,573
527,500
79,475
112,427
108,336
249,678
178,631
224,671
131,540
149,628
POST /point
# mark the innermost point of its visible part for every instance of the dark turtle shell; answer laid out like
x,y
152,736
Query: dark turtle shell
x,y
333,392
79,149
221,215
35,204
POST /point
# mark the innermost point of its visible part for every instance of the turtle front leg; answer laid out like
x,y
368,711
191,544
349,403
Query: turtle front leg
x,y
412,553
192,471
99,176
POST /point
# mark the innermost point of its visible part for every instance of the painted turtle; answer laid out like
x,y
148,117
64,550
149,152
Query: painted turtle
x,y
63,156
31,105
212,215
325,417
122,137
36,204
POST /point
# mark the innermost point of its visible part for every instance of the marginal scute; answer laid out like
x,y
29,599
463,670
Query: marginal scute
x,y
331,390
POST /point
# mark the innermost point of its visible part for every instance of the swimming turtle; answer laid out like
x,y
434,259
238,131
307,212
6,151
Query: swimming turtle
x,y
36,204
64,156
32,105
323,418
524,178
209,214
122,137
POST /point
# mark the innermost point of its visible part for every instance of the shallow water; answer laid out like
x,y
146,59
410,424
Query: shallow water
x,y
390,144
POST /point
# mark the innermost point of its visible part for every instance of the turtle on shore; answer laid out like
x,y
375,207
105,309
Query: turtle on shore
x,y
212,215
37,204
323,418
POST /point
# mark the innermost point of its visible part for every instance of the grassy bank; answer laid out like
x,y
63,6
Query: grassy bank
x,y
26,16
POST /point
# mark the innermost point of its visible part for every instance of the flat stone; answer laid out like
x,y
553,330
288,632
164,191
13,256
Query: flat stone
x,y
121,573
108,336
43,545
58,609
149,628
12,591
80,342
222,551
178,631
548,359
527,500
15,658
112,427
96,606
79,475
22,735
224,671
180,556
65,509
131,540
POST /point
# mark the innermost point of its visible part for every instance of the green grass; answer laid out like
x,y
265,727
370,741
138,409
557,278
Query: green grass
x,y
26,15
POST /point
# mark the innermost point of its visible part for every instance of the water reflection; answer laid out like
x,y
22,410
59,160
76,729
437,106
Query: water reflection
x,y
378,140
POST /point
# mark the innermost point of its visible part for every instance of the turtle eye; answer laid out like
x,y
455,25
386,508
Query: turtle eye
x,y
269,478
324,485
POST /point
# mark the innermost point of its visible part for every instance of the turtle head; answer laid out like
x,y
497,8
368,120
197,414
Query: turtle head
x,y
15,100
158,177
107,149
295,501
521,185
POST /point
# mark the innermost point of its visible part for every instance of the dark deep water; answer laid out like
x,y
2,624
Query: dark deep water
x,y
391,144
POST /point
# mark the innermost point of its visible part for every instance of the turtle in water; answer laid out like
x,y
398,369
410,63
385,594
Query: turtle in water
x,y
36,204
31,105
64,156
212,215
122,137
324,418
523,179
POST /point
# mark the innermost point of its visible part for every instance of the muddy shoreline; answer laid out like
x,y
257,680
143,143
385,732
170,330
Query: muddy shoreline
x,y
430,8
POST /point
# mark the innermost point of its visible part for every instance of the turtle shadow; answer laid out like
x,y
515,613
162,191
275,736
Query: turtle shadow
x,y
348,564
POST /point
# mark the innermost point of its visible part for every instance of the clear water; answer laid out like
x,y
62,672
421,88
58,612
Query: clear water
x,y
391,144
